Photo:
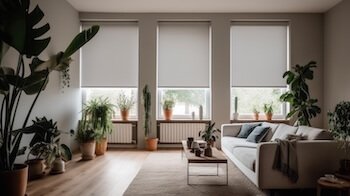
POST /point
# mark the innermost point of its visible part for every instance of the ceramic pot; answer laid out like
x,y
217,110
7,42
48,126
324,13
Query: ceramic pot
x,y
87,150
256,116
268,116
152,144
198,152
208,152
35,168
14,183
101,147
124,114
189,142
168,113
58,166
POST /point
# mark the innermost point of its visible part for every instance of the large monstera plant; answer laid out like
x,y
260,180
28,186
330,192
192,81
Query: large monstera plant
x,y
19,30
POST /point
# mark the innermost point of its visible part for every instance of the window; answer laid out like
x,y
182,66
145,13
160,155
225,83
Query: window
x,y
184,58
109,63
187,102
259,57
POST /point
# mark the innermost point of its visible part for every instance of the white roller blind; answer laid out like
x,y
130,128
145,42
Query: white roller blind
x,y
111,58
259,55
184,54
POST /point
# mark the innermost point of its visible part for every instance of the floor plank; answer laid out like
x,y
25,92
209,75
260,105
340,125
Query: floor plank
x,y
110,174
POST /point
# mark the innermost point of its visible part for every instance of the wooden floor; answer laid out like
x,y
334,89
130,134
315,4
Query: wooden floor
x,y
106,175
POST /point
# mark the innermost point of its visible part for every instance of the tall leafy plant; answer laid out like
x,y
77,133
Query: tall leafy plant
x,y
98,112
302,105
147,107
20,30
339,125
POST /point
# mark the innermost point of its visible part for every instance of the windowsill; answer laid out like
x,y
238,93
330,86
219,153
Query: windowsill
x,y
262,120
183,121
124,121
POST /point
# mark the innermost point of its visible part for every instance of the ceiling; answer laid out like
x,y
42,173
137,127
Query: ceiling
x,y
211,6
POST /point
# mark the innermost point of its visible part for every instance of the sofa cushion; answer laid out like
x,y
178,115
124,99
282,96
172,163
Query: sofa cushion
x,y
246,156
230,143
270,132
282,131
311,133
246,129
258,134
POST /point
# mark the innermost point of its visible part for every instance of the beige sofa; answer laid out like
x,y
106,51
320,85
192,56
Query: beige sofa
x,y
317,155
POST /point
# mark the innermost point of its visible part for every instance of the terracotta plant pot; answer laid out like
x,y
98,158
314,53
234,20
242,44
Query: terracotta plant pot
x,y
268,116
58,166
35,168
14,183
124,114
168,113
101,147
88,150
256,116
152,144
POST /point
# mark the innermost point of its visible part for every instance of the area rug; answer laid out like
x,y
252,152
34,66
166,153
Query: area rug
x,y
165,173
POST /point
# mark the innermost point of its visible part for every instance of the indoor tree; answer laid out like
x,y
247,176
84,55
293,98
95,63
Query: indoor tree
x,y
302,105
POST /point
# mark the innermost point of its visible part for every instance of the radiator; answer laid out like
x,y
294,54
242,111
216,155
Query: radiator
x,y
121,133
175,132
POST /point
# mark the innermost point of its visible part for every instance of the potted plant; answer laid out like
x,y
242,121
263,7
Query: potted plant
x,y
209,135
86,137
151,143
45,147
302,105
256,113
339,125
98,112
124,103
168,105
268,109
20,30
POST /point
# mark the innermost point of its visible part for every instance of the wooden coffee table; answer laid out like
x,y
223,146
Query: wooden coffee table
x,y
217,158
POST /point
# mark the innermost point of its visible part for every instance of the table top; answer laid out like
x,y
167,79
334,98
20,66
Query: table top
x,y
217,157
337,184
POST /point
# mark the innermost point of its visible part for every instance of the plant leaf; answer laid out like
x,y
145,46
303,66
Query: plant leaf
x,y
19,27
66,153
81,39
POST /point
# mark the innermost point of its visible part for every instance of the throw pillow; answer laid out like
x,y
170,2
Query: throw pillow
x,y
282,131
258,134
271,131
312,133
246,129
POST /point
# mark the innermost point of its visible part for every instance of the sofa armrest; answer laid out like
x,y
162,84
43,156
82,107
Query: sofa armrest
x,y
230,129
315,158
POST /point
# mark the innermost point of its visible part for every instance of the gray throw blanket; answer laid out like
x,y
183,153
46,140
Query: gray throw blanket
x,y
286,158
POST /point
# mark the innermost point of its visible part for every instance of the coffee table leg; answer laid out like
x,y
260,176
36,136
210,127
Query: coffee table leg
x,y
188,175
217,169
226,173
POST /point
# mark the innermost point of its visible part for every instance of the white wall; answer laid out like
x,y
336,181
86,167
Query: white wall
x,y
62,105
336,56
306,45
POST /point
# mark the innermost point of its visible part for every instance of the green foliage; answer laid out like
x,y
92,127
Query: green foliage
x,y
45,143
256,110
124,103
268,109
146,95
85,133
193,96
209,133
339,124
20,30
168,104
98,112
298,96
